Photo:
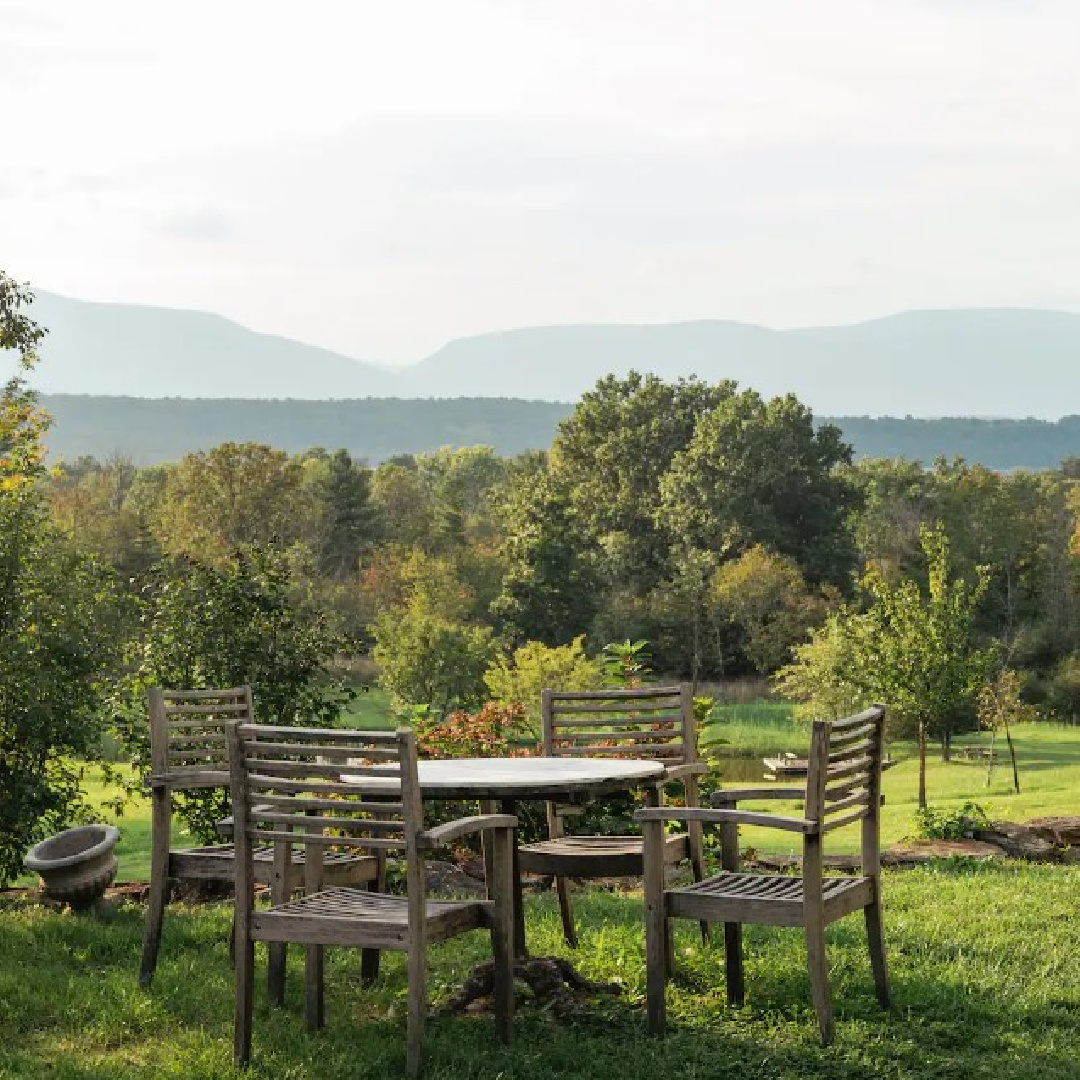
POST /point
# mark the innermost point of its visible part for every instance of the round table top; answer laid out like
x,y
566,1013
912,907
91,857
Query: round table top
x,y
525,777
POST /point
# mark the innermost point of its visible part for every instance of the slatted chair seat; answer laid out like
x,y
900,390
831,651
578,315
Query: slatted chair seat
x,y
770,899
576,856
357,917
843,786
298,789
655,722
188,751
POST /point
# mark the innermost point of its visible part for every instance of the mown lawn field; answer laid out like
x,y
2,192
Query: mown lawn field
x,y
982,966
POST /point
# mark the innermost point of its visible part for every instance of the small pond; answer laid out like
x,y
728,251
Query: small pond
x,y
737,768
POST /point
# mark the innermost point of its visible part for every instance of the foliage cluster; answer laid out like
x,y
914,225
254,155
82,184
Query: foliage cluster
x,y
54,648
229,624
518,678
960,824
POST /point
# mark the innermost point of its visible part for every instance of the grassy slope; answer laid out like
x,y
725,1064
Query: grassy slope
x,y
982,967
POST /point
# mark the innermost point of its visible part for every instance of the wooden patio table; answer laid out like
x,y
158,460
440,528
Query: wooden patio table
x,y
505,781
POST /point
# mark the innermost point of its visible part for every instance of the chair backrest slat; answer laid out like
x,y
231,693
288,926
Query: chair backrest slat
x,y
844,773
292,783
188,745
650,722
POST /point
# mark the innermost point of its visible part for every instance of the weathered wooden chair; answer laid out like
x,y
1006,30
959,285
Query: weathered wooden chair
x,y
843,786
189,751
652,722
288,790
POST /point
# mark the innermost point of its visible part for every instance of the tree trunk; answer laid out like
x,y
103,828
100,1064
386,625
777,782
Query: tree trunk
x,y
922,764
946,746
1012,758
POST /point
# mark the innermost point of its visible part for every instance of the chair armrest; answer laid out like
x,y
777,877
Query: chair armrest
x,y
689,768
730,796
725,817
441,835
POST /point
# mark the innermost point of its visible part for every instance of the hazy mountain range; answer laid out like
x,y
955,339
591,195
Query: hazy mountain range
x,y
971,362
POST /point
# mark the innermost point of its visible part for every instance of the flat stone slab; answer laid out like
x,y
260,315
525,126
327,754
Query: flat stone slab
x,y
914,852
1062,830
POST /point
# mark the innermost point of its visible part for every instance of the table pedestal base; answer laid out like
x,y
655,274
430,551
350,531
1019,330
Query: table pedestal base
x,y
550,978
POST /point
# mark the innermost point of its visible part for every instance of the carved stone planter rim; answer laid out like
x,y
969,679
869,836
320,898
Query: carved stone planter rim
x,y
101,839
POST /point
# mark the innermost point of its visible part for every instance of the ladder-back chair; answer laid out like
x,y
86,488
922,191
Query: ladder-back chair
x,y
843,786
288,790
189,751
654,722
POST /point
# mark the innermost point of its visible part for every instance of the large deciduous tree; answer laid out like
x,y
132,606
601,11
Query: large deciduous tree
x,y
761,472
611,456
236,493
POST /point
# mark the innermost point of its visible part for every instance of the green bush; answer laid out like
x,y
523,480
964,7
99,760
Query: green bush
x,y
519,678
228,625
1063,693
962,824
425,659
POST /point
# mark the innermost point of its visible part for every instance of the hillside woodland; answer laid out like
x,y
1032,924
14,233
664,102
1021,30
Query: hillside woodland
x,y
155,431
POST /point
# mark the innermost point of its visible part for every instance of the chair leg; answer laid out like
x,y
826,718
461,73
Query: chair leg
x,y
155,916
314,957
875,940
819,978
417,1007
657,940
657,931
562,887
697,864
244,976
275,972
284,881
733,962
369,965
369,958
501,890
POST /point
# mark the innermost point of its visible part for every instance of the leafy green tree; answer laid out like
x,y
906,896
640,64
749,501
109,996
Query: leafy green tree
x,y
761,472
89,502
915,650
54,641
234,494
517,678
346,519
425,659
549,589
896,497
763,607
610,457
404,504
462,482
226,624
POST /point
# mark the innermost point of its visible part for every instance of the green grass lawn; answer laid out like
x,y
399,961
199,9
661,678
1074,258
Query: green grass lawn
x,y
1049,765
982,961
370,710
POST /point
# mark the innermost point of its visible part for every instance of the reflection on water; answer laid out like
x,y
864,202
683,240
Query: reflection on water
x,y
731,768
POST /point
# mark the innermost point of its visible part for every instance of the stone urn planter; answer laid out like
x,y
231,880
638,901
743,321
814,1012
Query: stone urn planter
x,y
77,865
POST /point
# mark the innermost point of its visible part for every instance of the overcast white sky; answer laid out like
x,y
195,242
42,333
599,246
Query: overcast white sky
x,y
379,177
